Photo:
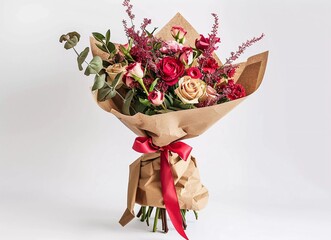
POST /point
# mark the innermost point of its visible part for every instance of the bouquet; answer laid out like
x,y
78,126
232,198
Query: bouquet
x,y
159,86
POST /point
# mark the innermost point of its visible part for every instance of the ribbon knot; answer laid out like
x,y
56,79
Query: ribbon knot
x,y
145,145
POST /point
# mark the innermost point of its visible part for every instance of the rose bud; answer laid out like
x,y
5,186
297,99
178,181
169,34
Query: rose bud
x,y
135,70
178,33
156,97
190,90
203,43
128,80
187,56
194,72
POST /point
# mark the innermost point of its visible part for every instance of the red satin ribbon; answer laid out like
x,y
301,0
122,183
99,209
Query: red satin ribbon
x,y
145,145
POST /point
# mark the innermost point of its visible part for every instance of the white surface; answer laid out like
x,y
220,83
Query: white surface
x,y
64,162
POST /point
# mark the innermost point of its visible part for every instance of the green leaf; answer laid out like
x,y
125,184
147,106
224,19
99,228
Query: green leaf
x,y
72,42
94,66
145,102
99,82
116,80
107,36
127,102
103,92
151,88
101,47
111,94
65,37
98,36
111,47
81,58
169,97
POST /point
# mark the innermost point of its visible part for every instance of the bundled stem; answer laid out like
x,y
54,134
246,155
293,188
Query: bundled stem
x,y
160,213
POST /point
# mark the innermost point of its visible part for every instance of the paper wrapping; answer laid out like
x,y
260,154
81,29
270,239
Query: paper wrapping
x,y
144,184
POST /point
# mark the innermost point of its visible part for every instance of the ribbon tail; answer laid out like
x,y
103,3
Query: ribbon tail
x,y
169,194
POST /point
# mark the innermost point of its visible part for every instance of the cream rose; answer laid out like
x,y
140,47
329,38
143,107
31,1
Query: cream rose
x,y
113,70
190,89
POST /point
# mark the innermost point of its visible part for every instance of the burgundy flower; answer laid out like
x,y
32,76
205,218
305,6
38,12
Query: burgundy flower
x,y
210,66
170,70
194,72
230,71
204,43
232,90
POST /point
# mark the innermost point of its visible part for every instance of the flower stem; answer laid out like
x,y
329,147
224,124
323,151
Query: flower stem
x,y
196,214
156,217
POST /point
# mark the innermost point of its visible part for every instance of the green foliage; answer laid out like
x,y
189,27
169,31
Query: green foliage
x,y
105,93
71,39
94,66
127,102
116,80
82,57
151,88
65,37
104,42
70,43
99,82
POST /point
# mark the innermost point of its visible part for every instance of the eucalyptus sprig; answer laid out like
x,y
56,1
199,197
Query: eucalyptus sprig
x,y
95,66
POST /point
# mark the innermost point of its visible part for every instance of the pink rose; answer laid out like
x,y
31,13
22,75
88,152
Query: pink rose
x,y
156,97
210,95
178,33
135,70
187,56
170,69
171,46
194,72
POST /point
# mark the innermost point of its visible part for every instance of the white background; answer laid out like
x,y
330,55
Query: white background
x,y
64,162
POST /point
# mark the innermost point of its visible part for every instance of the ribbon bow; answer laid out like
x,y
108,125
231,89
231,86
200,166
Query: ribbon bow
x,y
145,145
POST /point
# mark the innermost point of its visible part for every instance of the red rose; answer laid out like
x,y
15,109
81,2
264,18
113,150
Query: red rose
x,y
170,70
233,90
194,72
210,66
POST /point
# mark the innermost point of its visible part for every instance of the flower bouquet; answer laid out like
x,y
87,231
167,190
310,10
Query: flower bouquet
x,y
159,86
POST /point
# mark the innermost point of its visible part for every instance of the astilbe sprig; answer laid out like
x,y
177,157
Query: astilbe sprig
x,y
235,55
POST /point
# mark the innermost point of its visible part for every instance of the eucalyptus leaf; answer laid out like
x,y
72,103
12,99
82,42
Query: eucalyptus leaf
x,y
72,42
65,37
82,57
98,36
116,80
111,94
103,92
94,66
99,82
127,102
